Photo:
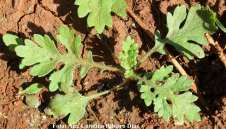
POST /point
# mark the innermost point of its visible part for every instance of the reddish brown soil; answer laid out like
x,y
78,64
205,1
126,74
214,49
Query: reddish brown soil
x,y
26,17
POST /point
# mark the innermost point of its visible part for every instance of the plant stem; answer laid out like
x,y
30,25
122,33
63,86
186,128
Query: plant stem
x,y
106,67
99,65
137,77
98,94
148,54
118,87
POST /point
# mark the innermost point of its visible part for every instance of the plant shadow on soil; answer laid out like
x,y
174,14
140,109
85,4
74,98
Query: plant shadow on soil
x,y
78,24
212,77
14,61
102,49
9,56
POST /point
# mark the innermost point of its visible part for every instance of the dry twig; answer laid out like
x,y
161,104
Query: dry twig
x,y
182,71
2,115
220,51
146,28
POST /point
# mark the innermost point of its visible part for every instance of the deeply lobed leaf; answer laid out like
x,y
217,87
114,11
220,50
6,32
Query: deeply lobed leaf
x,y
11,40
72,104
165,92
43,56
186,31
99,12
128,56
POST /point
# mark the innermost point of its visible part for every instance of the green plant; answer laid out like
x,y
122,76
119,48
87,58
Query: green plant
x,y
128,57
99,12
43,57
42,54
186,31
32,89
31,94
163,88
170,93
74,104
166,90
217,21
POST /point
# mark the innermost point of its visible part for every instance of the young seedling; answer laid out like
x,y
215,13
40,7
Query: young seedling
x,y
167,91
42,56
128,57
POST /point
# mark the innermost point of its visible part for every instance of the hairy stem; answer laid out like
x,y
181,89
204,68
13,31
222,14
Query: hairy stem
x,y
118,87
98,94
106,67
147,55
99,65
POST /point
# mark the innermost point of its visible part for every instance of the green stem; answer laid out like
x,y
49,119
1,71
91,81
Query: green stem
x,y
118,87
99,65
150,52
71,59
106,67
137,77
98,94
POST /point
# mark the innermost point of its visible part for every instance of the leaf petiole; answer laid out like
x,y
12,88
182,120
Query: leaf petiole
x,y
117,88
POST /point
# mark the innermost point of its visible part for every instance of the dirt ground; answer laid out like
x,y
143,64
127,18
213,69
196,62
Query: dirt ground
x,y
27,17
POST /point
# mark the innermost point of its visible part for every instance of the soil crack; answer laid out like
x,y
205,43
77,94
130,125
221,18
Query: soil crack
x,y
49,10
26,14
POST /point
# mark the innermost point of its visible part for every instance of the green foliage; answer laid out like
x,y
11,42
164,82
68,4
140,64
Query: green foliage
x,y
159,44
217,21
30,94
169,94
32,89
221,26
167,91
185,30
99,12
72,104
32,101
42,55
128,56
119,7
11,40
